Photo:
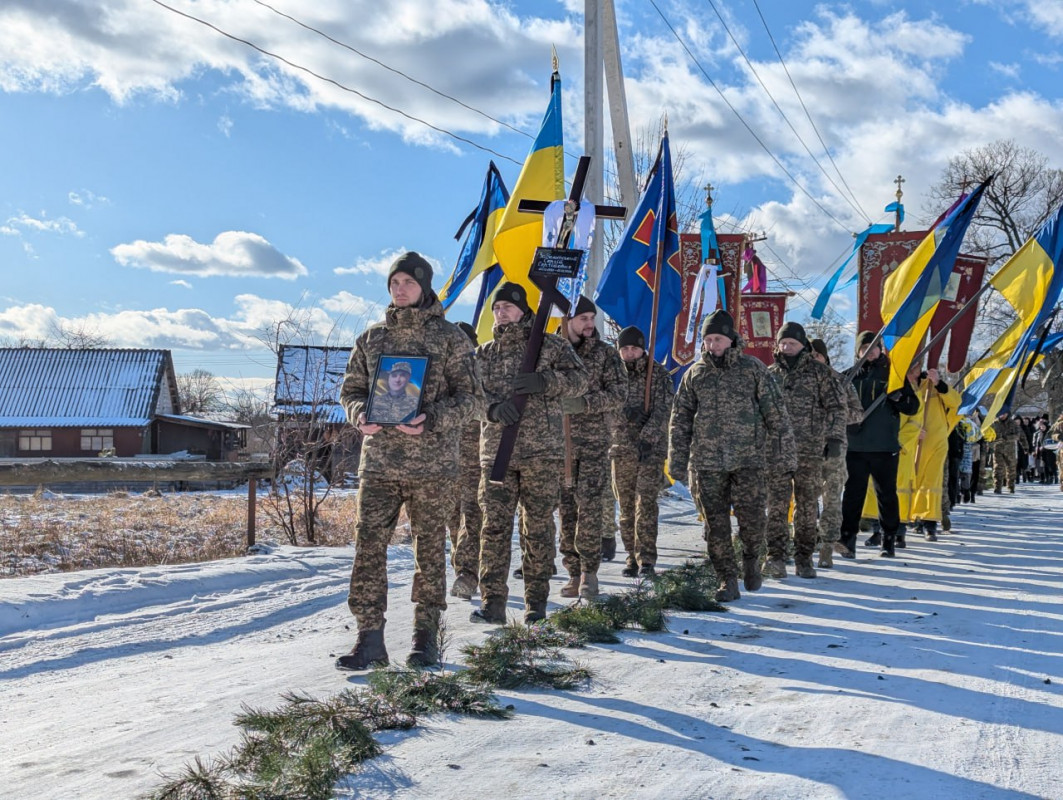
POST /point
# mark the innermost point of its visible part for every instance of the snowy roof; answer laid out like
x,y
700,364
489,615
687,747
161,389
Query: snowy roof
x,y
308,381
201,422
82,387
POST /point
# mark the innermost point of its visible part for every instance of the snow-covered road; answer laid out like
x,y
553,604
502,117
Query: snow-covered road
x,y
939,674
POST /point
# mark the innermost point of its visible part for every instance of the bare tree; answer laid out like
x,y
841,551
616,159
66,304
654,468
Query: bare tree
x,y
200,392
75,336
834,332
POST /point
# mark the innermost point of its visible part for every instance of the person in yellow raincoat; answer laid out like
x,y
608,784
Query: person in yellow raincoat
x,y
924,449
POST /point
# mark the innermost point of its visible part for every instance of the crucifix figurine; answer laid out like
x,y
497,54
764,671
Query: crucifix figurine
x,y
547,283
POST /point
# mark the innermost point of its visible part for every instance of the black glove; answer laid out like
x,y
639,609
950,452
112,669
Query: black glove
x,y
505,413
942,387
637,415
573,405
529,383
645,451
833,448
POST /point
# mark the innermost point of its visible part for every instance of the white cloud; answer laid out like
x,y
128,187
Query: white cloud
x,y
1048,15
380,264
225,125
1012,71
232,253
24,222
352,307
87,199
182,283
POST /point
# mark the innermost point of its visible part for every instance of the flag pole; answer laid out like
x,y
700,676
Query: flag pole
x,y
656,279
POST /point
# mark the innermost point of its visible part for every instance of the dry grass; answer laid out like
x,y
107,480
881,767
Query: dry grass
x,y
54,533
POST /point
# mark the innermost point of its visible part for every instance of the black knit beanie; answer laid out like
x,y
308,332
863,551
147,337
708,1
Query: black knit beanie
x,y
820,346
584,306
512,293
469,331
414,265
863,339
792,330
719,321
631,337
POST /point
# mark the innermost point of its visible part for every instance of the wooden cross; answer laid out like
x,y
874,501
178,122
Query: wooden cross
x,y
550,297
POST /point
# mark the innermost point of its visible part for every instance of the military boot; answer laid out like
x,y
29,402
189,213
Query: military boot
x,y
826,556
571,589
647,571
491,612
888,543
631,568
369,651
534,612
751,578
464,586
588,586
874,540
899,541
728,591
608,548
425,649
775,568
803,567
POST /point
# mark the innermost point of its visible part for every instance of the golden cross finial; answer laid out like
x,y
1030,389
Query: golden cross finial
x,y
708,194
899,180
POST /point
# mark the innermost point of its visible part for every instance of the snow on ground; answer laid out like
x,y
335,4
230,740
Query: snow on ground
x,y
935,675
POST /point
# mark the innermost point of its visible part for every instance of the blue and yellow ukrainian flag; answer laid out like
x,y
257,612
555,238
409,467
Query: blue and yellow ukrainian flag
x,y
477,253
1031,281
541,178
911,293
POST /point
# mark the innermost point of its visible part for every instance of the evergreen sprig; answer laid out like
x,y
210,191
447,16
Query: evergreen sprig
x,y
522,655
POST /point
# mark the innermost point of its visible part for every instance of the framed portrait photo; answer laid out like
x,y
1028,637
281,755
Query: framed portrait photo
x,y
397,389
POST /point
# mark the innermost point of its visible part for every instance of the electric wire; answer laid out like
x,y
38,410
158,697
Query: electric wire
x,y
783,114
741,119
391,69
337,84
808,115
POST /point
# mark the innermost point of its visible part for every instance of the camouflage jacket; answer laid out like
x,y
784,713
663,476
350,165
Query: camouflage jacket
x,y
730,417
541,434
816,405
605,396
1009,431
450,392
627,434
854,411
469,447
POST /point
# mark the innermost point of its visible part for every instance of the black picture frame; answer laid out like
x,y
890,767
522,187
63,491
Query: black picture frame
x,y
386,407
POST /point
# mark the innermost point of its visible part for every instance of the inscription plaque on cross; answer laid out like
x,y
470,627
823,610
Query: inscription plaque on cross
x,y
549,264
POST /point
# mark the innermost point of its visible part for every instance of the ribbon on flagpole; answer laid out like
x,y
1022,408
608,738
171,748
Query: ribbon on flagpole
x,y
832,284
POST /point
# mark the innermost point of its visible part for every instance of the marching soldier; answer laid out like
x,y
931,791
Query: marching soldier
x,y
640,445
582,521
817,412
727,414
466,519
533,479
415,462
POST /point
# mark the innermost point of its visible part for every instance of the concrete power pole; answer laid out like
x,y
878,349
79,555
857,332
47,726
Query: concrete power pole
x,y
618,119
593,133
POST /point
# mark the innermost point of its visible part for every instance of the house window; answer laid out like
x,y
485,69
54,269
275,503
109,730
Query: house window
x,y
96,439
34,440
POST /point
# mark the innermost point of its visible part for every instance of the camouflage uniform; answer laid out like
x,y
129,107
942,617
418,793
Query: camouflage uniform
x,y
391,409
582,521
637,481
533,479
817,410
398,468
834,472
466,518
1008,433
726,417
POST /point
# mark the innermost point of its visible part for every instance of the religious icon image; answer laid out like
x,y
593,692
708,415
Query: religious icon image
x,y
761,322
397,389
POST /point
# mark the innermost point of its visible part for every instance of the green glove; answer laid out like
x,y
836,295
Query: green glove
x,y
529,383
574,405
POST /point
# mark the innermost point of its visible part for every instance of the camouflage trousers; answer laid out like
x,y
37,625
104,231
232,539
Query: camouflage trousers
x,y
717,492
376,514
804,486
535,488
637,486
1004,460
830,519
582,520
465,521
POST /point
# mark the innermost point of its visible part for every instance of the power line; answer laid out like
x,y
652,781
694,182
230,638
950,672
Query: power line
x,y
782,113
801,100
391,69
752,133
337,84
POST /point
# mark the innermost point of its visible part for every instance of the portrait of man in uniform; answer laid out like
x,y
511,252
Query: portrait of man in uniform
x,y
396,397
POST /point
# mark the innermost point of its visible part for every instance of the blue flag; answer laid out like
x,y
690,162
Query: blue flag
x,y
648,260
832,284
477,253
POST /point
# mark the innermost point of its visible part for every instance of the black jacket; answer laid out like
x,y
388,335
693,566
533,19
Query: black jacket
x,y
879,432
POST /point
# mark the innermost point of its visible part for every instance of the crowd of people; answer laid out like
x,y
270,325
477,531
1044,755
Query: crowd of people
x,y
599,429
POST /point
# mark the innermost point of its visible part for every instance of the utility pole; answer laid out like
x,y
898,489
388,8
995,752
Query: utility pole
x,y
618,119
593,133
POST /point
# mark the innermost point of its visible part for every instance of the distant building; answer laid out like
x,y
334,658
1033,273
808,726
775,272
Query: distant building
x,y
311,423
80,403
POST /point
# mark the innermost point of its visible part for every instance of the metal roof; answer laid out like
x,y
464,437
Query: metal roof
x,y
49,387
308,381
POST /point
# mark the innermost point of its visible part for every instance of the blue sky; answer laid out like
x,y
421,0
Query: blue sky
x,y
164,186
